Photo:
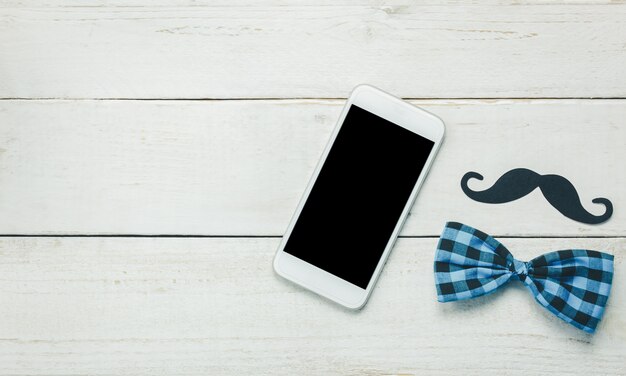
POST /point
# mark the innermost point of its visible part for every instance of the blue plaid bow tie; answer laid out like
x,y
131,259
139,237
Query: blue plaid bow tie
x,y
572,284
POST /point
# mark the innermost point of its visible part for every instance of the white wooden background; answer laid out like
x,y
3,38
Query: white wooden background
x,y
152,153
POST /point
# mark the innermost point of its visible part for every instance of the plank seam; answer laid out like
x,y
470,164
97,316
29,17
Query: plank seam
x,y
297,98
279,237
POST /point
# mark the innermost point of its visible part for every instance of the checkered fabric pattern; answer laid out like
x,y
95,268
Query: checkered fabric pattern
x,y
573,284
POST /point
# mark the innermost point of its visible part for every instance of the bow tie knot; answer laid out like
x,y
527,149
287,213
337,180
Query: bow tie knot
x,y
520,269
573,284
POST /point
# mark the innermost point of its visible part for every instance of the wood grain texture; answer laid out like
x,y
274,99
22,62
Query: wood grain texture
x,y
240,167
213,306
186,49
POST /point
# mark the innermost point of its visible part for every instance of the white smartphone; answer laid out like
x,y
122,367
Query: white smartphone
x,y
358,197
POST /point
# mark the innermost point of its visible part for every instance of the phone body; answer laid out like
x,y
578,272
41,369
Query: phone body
x,y
360,193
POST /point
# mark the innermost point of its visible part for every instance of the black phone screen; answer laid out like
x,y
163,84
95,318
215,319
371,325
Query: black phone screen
x,y
358,196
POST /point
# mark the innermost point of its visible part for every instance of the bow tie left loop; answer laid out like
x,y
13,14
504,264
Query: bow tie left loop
x,y
572,284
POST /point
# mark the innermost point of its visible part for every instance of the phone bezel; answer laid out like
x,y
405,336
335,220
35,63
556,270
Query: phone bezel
x,y
400,113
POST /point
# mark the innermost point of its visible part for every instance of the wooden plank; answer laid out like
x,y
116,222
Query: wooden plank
x,y
279,50
213,306
240,167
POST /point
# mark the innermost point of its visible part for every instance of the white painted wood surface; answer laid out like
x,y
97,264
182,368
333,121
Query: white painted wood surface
x,y
240,167
185,49
213,306
72,163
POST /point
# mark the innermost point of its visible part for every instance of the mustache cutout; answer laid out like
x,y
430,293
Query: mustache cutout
x,y
519,182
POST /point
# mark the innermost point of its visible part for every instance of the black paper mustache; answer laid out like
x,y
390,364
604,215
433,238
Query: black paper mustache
x,y
519,182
